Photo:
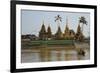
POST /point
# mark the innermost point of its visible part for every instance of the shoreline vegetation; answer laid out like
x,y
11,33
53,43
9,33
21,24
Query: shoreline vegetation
x,y
50,43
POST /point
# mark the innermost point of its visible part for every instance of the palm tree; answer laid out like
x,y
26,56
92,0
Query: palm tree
x,y
83,21
58,19
58,34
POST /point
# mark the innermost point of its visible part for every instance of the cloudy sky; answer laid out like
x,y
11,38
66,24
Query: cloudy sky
x,y
31,21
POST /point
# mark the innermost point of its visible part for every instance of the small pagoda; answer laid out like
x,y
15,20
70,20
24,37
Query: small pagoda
x,y
49,33
42,33
79,35
59,34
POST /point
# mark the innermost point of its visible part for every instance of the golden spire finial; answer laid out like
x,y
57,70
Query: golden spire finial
x,y
43,21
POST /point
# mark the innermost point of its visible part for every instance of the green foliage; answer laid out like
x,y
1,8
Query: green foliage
x,y
83,20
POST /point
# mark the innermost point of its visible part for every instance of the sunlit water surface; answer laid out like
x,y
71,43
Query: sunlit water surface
x,y
62,55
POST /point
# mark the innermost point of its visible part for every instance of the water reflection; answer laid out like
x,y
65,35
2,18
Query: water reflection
x,y
53,55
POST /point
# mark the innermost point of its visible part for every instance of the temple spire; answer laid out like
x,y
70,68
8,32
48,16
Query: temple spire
x,y
66,20
49,33
66,28
42,21
42,33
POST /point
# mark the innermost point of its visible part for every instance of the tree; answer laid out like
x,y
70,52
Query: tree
x,y
58,34
58,20
83,21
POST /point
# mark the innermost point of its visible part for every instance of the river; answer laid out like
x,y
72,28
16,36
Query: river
x,y
62,55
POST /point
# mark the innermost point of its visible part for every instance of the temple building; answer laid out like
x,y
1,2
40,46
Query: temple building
x,y
68,34
42,33
59,34
49,33
79,35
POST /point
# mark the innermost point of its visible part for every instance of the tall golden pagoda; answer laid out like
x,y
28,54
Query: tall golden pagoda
x,y
68,34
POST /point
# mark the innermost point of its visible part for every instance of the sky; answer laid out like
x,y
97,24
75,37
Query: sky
x,y
32,20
